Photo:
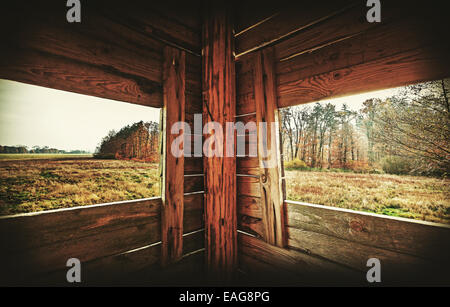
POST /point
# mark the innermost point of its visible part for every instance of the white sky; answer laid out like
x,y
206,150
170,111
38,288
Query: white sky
x,y
354,102
32,115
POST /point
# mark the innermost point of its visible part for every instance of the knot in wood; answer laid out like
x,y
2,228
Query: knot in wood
x,y
356,225
263,178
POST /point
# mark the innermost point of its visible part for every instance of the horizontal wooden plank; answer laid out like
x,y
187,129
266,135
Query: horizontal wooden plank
x,y
349,23
387,39
43,69
193,184
193,241
307,268
193,212
421,239
248,186
252,12
292,18
396,267
245,104
251,225
418,65
36,243
120,269
113,270
193,165
32,230
247,162
248,205
142,17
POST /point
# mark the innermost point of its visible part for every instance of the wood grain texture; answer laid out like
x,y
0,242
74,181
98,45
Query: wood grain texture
x,y
413,66
219,105
291,18
292,266
116,52
193,212
416,238
173,170
37,243
269,147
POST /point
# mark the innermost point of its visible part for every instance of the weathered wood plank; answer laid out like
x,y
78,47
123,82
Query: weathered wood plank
x,y
269,147
219,105
193,165
289,263
43,242
421,239
291,19
376,43
193,212
173,168
250,206
252,225
144,18
193,184
248,186
396,267
43,69
193,241
418,65
40,229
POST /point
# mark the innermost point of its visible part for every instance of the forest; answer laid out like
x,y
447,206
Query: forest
x,y
139,142
407,133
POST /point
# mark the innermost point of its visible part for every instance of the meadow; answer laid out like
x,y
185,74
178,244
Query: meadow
x,y
416,197
45,182
39,182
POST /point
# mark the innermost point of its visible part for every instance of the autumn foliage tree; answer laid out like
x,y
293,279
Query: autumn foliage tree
x,y
409,131
138,141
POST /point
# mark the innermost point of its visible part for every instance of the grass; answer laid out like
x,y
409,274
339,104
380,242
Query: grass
x,y
58,181
42,156
49,183
413,197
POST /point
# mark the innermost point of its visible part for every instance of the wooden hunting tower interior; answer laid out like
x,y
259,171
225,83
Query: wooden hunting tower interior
x,y
221,219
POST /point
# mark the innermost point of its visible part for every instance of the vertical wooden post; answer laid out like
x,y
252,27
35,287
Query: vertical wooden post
x,y
172,192
269,151
219,106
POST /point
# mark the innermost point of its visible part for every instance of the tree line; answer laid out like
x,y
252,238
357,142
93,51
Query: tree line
x,y
22,149
406,133
139,141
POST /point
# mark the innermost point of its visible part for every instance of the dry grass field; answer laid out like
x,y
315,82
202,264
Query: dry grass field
x,y
414,197
52,183
47,182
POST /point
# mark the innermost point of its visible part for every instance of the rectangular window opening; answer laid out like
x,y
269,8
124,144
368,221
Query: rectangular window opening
x,y
60,149
385,152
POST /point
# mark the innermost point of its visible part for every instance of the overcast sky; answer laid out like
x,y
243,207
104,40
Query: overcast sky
x,y
354,102
32,115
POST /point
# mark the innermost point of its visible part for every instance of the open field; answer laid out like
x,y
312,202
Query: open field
x,y
43,184
404,196
42,156
59,182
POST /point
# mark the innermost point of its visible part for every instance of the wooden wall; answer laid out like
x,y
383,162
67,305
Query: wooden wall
x,y
119,51
114,243
320,52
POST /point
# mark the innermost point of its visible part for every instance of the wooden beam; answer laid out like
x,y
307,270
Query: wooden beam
x,y
219,106
173,167
288,20
413,66
269,147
